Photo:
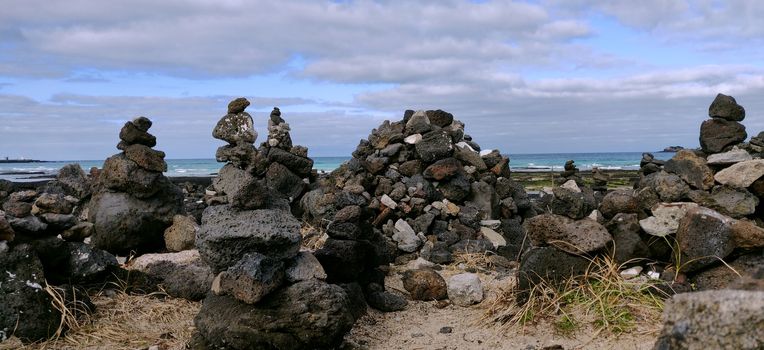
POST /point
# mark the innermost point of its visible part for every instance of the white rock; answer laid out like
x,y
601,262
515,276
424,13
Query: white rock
x,y
462,144
571,185
388,202
405,237
496,239
736,155
413,139
485,152
631,272
654,275
305,267
666,217
439,205
216,285
465,289
597,216
494,224
418,264
741,174
470,169
210,193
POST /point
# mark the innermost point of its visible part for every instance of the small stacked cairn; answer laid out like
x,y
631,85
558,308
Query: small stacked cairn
x,y
570,172
245,180
417,187
723,130
41,245
600,180
684,216
266,293
648,164
133,202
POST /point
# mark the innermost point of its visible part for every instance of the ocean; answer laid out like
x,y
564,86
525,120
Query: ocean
x,y
206,167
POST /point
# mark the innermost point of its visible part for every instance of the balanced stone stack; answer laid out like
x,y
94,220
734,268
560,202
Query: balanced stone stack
x,y
649,164
134,202
415,187
276,172
600,180
723,130
41,242
266,293
570,172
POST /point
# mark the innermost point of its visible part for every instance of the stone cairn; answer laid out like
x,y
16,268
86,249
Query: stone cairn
x,y
41,247
133,202
250,176
686,214
570,172
417,187
600,180
266,293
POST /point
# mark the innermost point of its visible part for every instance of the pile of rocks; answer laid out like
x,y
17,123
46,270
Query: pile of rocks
x,y
133,202
245,180
266,293
41,245
418,187
689,212
600,180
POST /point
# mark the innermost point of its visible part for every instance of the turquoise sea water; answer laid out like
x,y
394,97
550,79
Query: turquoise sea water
x,y
206,167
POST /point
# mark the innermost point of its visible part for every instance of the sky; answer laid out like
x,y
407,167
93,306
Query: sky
x,y
540,76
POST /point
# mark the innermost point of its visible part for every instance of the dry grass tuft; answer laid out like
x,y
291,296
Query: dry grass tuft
x,y
600,298
313,238
124,321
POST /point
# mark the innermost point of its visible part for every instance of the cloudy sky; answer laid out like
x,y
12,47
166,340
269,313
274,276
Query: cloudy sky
x,y
525,76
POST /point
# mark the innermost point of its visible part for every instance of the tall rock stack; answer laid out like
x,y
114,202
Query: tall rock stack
x,y
570,172
134,202
416,187
250,173
267,293
723,130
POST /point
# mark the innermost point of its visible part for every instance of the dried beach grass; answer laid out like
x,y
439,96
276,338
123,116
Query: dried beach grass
x,y
125,321
600,297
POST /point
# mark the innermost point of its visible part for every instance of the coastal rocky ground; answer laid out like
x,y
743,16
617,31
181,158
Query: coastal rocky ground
x,y
421,240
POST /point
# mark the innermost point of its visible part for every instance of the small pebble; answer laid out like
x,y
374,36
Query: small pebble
x,y
417,335
446,330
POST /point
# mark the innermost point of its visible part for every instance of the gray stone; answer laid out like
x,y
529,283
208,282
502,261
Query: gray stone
x,y
74,181
252,278
301,166
29,225
26,310
180,275
306,315
123,223
723,319
734,202
718,135
304,267
619,201
666,217
146,157
124,175
741,174
692,169
704,236
132,134
726,107
668,187
733,156
181,234
548,264
627,244
418,124
572,236
440,118
406,237
227,234
235,128
467,155
434,146
465,289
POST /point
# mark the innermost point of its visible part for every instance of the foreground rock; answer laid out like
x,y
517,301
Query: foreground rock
x,y
180,275
305,315
26,309
723,319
